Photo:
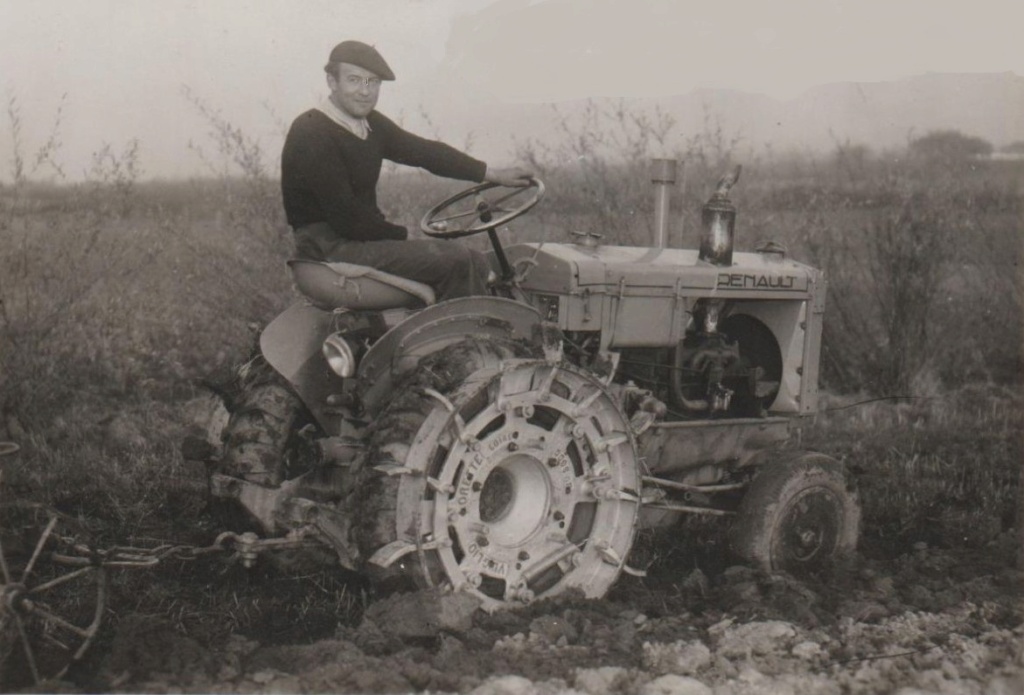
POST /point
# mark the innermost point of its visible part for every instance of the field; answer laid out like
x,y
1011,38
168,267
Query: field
x,y
122,299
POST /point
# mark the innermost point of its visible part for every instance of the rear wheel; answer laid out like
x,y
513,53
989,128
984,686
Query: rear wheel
x,y
519,484
799,515
260,437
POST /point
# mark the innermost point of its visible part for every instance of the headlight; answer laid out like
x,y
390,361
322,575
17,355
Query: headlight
x,y
339,355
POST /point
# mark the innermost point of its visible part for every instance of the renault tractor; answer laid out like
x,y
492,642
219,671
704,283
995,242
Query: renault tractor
x,y
512,446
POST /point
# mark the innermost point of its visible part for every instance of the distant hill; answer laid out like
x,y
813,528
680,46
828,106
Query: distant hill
x,y
876,114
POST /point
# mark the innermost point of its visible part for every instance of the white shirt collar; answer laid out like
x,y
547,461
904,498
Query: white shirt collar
x,y
357,126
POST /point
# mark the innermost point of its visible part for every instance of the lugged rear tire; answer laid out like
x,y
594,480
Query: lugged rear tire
x,y
518,483
259,439
398,424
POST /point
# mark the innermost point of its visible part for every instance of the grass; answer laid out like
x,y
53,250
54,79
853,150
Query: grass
x,y
121,296
943,469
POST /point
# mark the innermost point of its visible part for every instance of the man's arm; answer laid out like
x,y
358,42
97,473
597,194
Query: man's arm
x,y
436,157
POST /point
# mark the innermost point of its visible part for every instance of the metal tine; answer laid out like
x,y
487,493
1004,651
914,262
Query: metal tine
x,y
582,406
60,580
29,656
60,622
53,640
43,537
3,566
3,560
460,424
543,564
549,379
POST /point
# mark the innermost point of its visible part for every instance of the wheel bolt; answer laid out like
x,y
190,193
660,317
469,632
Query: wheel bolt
x,y
552,462
512,446
523,556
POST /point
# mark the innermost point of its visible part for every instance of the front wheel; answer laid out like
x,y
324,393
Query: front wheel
x,y
799,515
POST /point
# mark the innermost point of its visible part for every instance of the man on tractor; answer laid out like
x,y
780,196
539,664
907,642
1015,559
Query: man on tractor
x,y
329,171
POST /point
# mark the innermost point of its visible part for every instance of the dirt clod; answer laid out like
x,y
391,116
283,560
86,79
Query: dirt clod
x,y
680,658
671,684
423,614
602,680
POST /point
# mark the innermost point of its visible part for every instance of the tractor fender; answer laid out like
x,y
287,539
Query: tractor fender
x,y
292,344
440,325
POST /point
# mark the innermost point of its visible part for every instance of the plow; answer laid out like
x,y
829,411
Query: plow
x,y
54,590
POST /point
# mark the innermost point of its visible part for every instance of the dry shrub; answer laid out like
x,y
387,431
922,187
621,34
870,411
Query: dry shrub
x,y
597,175
921,295
942,469
64,262
120,296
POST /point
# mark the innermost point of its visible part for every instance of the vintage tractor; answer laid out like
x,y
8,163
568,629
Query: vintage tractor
x,y
512,445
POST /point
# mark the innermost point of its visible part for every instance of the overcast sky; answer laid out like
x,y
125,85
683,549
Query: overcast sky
x,y
123,64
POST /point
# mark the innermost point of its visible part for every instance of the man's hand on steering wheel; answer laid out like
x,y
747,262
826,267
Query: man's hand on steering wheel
x,y
513,177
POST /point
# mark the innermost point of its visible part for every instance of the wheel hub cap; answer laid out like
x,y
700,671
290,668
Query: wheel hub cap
x,y
812,526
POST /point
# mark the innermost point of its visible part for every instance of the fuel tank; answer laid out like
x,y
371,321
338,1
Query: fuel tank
x,y
590,280
568,268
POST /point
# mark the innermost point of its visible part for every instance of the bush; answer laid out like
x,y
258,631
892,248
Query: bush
x,y
948,147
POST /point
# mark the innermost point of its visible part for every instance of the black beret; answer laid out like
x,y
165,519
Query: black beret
x,y
363,55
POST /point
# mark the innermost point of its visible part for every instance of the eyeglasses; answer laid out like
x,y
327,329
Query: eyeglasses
x,y
355,81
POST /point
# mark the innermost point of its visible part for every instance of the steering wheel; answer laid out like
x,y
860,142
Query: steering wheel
x,y
471,212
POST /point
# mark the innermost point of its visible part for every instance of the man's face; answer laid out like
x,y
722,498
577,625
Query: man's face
x,y
354,89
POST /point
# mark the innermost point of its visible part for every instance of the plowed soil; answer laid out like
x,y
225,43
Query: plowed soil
x,y
920,620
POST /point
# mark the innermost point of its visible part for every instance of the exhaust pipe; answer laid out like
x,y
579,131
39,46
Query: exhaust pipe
x,y
718,222
663,176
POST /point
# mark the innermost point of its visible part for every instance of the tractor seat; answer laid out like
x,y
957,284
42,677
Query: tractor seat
x,y
357,287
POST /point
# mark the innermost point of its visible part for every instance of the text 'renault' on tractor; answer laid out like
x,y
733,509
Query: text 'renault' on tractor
x,y
512,445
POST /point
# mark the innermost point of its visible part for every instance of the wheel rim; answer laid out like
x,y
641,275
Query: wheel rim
x,y
531,485
51,597
809,529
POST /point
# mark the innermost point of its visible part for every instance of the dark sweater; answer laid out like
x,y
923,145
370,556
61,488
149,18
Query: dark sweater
x,y
330,175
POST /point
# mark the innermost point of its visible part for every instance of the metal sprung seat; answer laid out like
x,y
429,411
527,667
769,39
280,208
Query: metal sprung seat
x,y
357,287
